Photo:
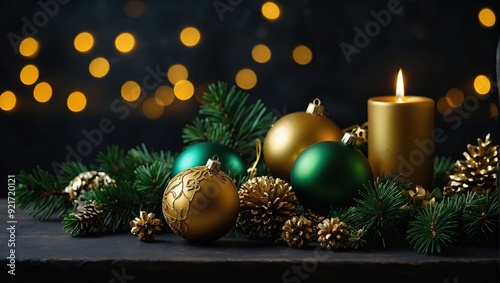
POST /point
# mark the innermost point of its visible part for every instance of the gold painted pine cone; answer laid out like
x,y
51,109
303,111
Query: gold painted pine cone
x,y
265,204
333,234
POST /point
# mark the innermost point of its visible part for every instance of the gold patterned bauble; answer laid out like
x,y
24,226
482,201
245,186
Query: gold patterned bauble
x,y
293,133
201,204
477,172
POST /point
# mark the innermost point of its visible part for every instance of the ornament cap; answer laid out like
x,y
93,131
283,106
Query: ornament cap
x,y
349,138
213,163
315,107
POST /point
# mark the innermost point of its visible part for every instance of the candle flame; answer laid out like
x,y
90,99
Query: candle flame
x,y
400,88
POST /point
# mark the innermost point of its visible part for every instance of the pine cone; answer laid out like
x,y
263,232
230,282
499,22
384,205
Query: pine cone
x,y
265,204
333,234
145,227
90,215
86,181
315,220
297,231
477,172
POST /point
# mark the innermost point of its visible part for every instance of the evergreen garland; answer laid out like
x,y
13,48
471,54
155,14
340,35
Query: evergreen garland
x,y
381,216
379,211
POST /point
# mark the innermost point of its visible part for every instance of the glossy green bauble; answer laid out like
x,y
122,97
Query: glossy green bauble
x,y
329,175
199,153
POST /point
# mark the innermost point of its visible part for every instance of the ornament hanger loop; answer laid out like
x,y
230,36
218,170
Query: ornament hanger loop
x,y
252,171
315,107
213,163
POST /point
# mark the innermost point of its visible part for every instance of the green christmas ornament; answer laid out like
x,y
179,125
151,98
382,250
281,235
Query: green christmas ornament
x,y
330,174
199,153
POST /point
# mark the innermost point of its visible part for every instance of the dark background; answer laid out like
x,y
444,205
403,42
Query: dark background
x,y
438,44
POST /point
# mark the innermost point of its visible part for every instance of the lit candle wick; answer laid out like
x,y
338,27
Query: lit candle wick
x,y
400,88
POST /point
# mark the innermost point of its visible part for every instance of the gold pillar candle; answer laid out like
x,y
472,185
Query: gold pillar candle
x,y
400,140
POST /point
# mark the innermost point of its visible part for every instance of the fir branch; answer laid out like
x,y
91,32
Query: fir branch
x,y
41,194
204,130
480,218
152,180
119,203
141,155
113,162
69,170
435,227
379,211
229,121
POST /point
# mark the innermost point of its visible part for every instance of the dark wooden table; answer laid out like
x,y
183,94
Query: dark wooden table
x,y
45,253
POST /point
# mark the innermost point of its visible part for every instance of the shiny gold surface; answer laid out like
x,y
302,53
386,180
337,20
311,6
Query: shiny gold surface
x,y
293,133
400,137
200,204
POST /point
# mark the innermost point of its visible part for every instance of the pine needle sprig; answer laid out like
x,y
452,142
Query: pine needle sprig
x,y
151,181
229,120
119,202
113,161
40,194
379,211
435,227
69,170
481,218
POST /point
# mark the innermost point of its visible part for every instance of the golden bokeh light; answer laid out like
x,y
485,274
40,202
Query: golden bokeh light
x,y
176,73
482,84
164,95
134,8
270,11
183,90
200,91
442,106
42,92
454,97
190,36
486,17
261,53
99,67
29,74
29,47
493,110
7,100
151,109
125,42
76,101
130,91
246,79
83,42
302,55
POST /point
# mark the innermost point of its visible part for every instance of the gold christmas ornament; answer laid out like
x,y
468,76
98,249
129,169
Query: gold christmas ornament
x,y
265,204
297,231
477,172
86,181
333,234
293,133
146,226
200,204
